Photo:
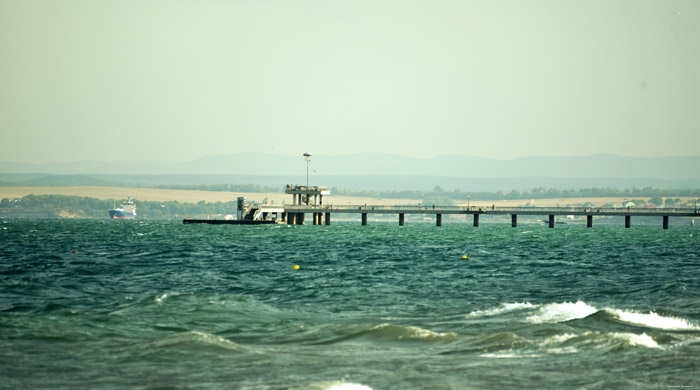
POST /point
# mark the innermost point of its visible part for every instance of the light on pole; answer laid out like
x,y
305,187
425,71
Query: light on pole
x,y
468,197
307,157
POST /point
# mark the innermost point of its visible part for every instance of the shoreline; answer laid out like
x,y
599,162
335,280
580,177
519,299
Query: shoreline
x,y
194,196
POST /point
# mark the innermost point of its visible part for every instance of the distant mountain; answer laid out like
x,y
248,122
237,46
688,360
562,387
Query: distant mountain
x,y
376,164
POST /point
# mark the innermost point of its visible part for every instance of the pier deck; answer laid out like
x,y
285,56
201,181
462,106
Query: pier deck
x,y
493,210
294,214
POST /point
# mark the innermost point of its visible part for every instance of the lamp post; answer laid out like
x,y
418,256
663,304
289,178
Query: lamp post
x,y
307,157
468,197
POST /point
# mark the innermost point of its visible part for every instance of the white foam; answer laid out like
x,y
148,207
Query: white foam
x,y
561,312
558,339
199,339
209,337
503,308
421,333
165,296
653,320
562,351
413,332
212,339
509,355
347,386
643,339
552,344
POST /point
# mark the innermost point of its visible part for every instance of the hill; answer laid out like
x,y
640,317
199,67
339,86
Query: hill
x,y
378,164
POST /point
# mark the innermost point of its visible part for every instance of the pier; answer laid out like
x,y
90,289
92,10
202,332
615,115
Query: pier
x,y
549,214
309,201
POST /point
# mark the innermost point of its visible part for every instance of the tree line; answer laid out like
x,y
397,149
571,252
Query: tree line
x,y
537,193
47,206
460,195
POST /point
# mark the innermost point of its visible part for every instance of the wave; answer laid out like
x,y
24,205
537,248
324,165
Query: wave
x,y
206,304
510,355
634,340
197,341
165,296
409,333
561,312
502,343
512,346
388,332
572,343
503,308
348,386
587,329
569,343
652,320
567,311
558,339
338,385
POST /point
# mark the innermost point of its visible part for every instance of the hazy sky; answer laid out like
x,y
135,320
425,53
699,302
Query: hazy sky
x,y
182,79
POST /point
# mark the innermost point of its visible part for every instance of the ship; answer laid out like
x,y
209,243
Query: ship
x,y
127,211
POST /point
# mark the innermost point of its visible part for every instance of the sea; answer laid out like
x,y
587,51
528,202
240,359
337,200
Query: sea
x,y
141,304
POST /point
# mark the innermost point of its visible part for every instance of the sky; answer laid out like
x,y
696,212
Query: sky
x,y
137,80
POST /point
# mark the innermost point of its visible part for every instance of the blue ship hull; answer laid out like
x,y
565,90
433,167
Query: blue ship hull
x,y
120,214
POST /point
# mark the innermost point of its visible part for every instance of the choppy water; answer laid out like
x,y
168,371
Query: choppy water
x,y
161,305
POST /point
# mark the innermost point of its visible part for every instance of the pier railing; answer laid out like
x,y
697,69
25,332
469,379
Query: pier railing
x,y
493,209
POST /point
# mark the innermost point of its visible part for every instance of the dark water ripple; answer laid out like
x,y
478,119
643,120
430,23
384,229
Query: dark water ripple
x,y
154,305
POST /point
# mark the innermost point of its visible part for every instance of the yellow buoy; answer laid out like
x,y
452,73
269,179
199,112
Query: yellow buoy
x,y
296,266
464,257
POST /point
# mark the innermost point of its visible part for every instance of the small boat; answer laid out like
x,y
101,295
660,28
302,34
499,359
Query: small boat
x,y
127,211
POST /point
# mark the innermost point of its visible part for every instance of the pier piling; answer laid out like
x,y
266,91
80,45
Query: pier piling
x,y
589,221
401,219
551,221
364,219
476,220
665,221
438,219
328,218
514,220
628,221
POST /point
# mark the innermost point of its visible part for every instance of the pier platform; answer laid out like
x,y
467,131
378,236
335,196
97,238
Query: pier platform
x,y
321,214
477,211
309,200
